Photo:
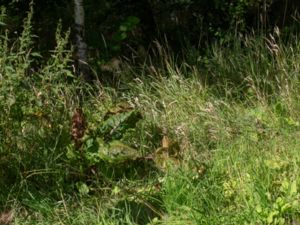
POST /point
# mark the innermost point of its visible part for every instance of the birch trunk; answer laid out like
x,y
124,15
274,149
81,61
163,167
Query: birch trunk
x,y
81,46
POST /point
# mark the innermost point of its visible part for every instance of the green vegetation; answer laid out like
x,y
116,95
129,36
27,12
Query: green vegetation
x,y
211,142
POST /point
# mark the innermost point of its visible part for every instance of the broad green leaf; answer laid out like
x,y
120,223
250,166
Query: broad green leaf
x,y
118,152
120,36
123,28
116,125
133,20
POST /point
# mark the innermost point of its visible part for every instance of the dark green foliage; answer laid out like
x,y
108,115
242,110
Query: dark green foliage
x,y
122,27
114,127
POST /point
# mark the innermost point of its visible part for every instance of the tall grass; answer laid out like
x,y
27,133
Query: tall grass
x,y
237,124
231,121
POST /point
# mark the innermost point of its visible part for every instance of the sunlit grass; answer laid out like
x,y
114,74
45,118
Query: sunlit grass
x,y
232,122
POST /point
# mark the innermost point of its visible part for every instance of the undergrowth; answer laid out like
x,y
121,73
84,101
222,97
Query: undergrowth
x,y
216,142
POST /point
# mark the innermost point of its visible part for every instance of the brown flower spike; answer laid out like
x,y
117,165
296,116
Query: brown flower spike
x,y
7,217
78,127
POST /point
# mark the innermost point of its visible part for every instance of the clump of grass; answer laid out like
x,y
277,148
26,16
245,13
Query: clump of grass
x,y
240,143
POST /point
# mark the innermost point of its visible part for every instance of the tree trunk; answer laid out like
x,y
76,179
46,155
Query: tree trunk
x,y
80,45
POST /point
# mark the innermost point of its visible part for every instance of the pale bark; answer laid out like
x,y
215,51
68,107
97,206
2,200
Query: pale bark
x,y
81,46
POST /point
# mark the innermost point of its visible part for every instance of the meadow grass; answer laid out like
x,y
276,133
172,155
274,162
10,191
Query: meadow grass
x,y
231,120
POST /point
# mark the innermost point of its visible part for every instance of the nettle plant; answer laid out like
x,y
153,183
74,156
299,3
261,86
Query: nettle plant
x,y
34,102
